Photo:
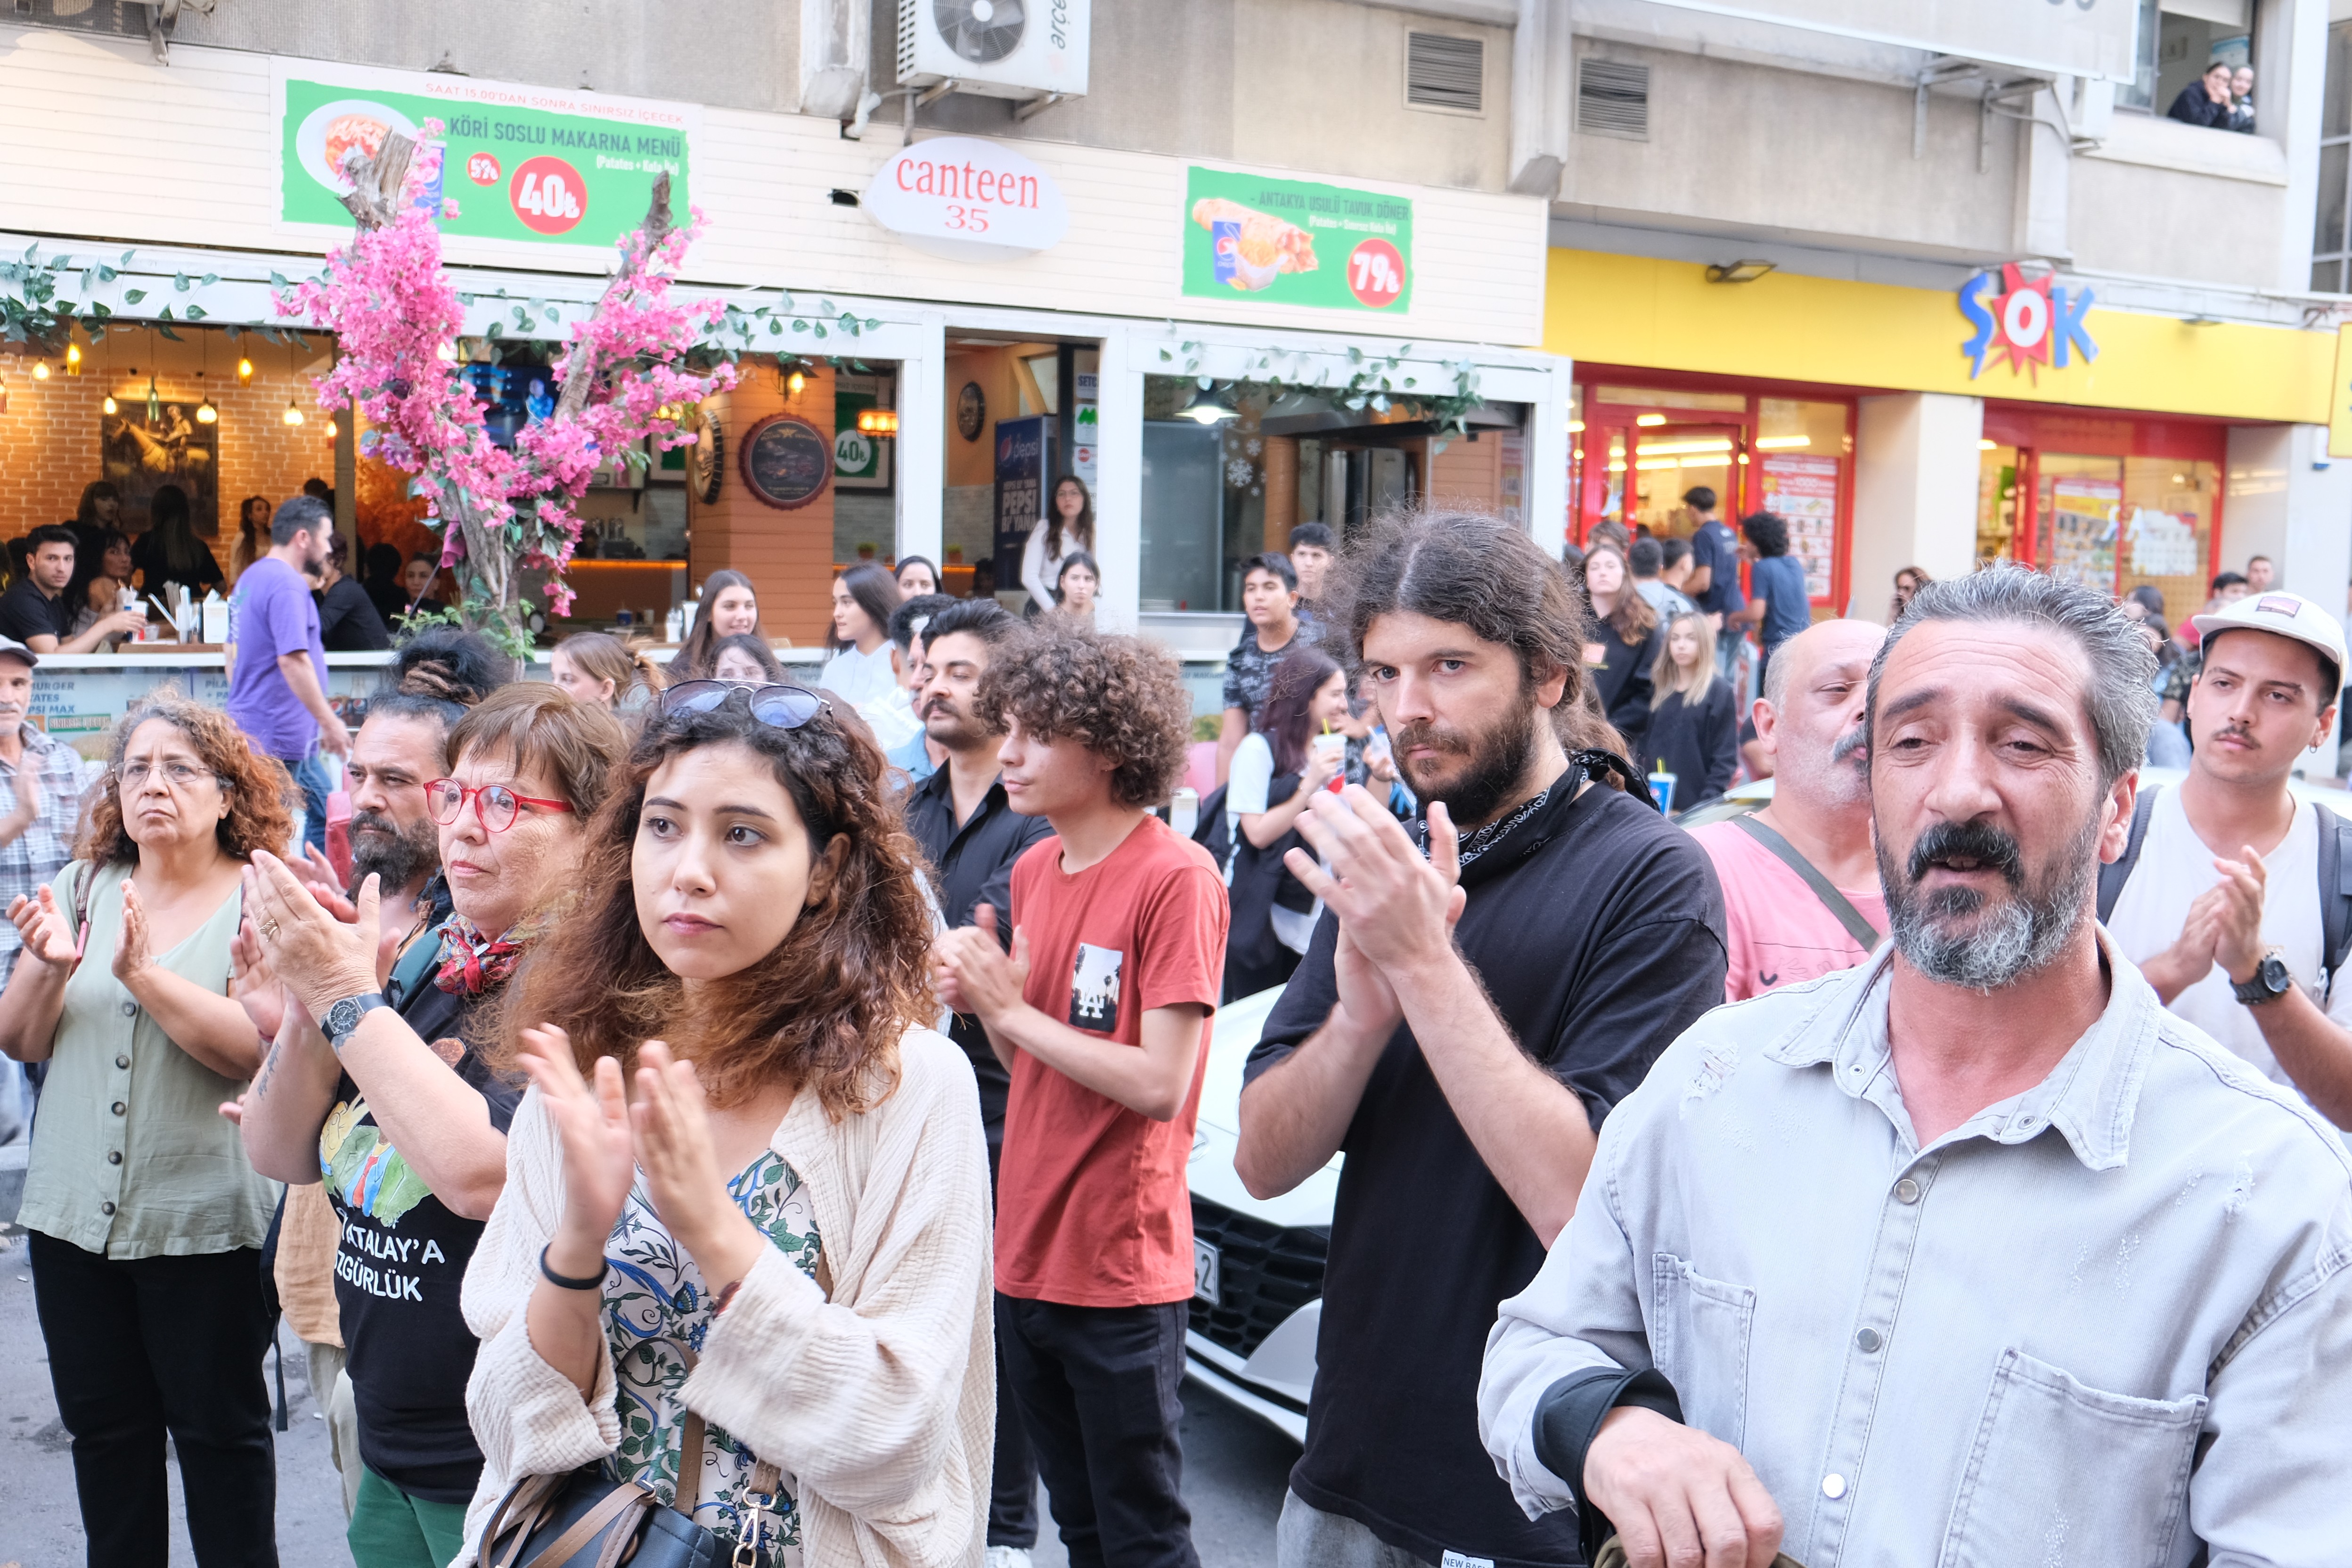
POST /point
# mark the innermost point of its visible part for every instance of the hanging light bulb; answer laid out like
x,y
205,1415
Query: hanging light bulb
x,y
245,370
205,412
793,382
40,370
154,401
293,415
109,405
73,359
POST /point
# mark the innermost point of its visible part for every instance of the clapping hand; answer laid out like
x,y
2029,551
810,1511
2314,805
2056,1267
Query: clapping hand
x,y
673,1144
321,959
972,971
592,1124
47,934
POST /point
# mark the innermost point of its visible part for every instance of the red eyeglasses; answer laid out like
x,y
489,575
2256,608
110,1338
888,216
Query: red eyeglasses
x,y
495,808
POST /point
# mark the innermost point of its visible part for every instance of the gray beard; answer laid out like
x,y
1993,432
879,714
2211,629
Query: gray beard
x,y
2023,936
398,858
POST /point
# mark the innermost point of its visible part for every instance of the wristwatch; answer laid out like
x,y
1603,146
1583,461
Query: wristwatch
x,y
2270,982
345,1015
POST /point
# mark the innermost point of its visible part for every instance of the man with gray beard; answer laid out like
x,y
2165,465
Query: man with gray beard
x,y
1974,1254
1801,895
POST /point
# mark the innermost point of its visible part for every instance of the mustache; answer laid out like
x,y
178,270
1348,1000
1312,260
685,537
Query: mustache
x,y
939,705
1426,732
1978,841
1856,740
374,822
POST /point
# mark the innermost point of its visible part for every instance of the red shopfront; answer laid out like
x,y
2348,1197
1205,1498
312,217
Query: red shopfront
x,y
1641,440
2110,500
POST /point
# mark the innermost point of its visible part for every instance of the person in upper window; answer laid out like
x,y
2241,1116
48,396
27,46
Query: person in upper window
x,y
2241,99
2207,101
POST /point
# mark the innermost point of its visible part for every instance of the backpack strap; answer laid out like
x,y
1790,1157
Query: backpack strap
x,y
2335,896
1857,924
2112,877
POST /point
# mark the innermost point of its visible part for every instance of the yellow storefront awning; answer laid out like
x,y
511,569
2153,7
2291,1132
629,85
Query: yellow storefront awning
x,y
1664,315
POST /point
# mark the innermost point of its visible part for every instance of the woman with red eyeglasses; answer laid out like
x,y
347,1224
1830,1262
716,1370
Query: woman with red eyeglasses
x,y
396,1107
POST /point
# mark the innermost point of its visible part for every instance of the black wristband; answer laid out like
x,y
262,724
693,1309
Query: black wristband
x,y
1569,1417
565,1281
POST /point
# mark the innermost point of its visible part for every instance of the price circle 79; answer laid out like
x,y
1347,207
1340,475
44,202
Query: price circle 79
x,y
1376,273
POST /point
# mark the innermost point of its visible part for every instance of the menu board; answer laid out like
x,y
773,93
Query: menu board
x,y
2163,544
2080,531
1804,491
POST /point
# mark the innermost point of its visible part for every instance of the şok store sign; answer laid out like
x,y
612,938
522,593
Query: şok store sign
x,y
515,163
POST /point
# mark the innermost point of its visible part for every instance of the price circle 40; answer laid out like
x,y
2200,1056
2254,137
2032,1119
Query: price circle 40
x,y
549,196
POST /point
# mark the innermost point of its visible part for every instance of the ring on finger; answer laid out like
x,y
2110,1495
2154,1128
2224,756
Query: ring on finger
x,y
268,929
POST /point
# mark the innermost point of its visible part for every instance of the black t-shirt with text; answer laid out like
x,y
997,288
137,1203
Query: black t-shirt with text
x,y
1597,928
398,1270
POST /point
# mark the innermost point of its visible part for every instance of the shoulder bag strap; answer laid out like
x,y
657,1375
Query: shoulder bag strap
x,y
2112,877
2334,895
766,1479
1857,925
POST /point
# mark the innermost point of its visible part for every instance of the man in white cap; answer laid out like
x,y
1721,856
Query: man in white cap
x,y
40,797
2230,893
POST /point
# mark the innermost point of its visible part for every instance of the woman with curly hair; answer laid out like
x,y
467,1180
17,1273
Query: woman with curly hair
x,y
147,1222
744,1234
1100,1014
395,1104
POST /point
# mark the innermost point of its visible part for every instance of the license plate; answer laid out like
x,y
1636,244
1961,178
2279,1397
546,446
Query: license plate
x,y
1205,1272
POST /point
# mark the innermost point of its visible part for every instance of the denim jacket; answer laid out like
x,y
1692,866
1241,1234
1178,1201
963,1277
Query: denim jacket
x,y
2106,1322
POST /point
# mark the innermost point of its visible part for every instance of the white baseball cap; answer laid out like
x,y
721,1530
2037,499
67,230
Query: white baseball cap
x,y
2282,615
12,648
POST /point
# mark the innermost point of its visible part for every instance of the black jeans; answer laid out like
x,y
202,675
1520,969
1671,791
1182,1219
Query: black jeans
x,y
1097,1387
142,1346
1012,1489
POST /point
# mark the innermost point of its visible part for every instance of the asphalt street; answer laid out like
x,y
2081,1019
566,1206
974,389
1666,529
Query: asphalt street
x,y
1234,1466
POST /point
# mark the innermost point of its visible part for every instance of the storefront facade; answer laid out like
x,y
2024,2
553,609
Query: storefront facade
x,y
1052,340
2012,417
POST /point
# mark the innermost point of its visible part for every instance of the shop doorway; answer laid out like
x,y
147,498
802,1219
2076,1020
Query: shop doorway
x,y
2114,504
1021,419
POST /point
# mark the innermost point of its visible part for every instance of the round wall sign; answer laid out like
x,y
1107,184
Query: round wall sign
x,y
707,462
787,461
971,411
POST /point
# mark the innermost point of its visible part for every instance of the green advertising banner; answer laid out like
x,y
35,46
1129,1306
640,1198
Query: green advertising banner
x,y
1290,242
521,164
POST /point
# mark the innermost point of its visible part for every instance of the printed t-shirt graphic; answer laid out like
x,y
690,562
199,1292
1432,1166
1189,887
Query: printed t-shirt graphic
x,y
1094,988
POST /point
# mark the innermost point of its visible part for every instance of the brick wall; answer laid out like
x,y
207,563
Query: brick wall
x,y
49,436
787,555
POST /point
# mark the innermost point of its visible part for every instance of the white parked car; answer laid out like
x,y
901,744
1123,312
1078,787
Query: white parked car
x,y
1257,1266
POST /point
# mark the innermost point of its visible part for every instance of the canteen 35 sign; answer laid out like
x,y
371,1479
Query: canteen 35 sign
x,y
525,165
968,200
2029,323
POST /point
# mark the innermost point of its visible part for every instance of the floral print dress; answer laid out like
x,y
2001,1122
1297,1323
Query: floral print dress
x,y
655,1300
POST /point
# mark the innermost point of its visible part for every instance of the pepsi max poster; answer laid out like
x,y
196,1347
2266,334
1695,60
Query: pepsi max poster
x,y
1020,490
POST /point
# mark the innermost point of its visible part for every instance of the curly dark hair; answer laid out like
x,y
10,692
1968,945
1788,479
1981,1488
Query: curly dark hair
x,y
1115,696
257,788
826,1008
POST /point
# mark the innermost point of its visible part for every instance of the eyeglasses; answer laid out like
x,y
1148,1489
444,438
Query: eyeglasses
x,y
178,775
495,808
778,707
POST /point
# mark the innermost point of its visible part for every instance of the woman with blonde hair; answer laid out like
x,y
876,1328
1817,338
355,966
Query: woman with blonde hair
x,y
742,1253
1694,715
601,669
147,1221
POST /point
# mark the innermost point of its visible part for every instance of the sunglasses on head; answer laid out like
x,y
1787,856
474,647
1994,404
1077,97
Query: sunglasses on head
x,y
779,707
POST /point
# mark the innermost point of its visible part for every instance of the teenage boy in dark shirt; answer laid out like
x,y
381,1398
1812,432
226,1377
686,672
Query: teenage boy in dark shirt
x,y
972,837
1460,1026
1270,600
1101,1015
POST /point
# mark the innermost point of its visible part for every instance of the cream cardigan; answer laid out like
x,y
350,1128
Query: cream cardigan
x,y
878,1404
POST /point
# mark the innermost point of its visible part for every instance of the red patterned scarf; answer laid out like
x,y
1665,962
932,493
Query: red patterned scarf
x,y
472,962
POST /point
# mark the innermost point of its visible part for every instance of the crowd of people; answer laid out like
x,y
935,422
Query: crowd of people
x,y
756,1116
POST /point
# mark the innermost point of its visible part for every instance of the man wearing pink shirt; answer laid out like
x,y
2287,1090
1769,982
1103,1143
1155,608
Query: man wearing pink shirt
x,y
1800,891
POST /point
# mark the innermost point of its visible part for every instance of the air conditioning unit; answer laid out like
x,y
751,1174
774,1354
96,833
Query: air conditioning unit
x,y
1001,49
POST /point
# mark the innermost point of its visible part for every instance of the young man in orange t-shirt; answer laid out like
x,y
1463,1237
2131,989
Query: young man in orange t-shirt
x,y
1100,1015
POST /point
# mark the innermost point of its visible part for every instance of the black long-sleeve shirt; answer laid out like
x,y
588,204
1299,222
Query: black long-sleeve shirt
x,y
972,865
1697,738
